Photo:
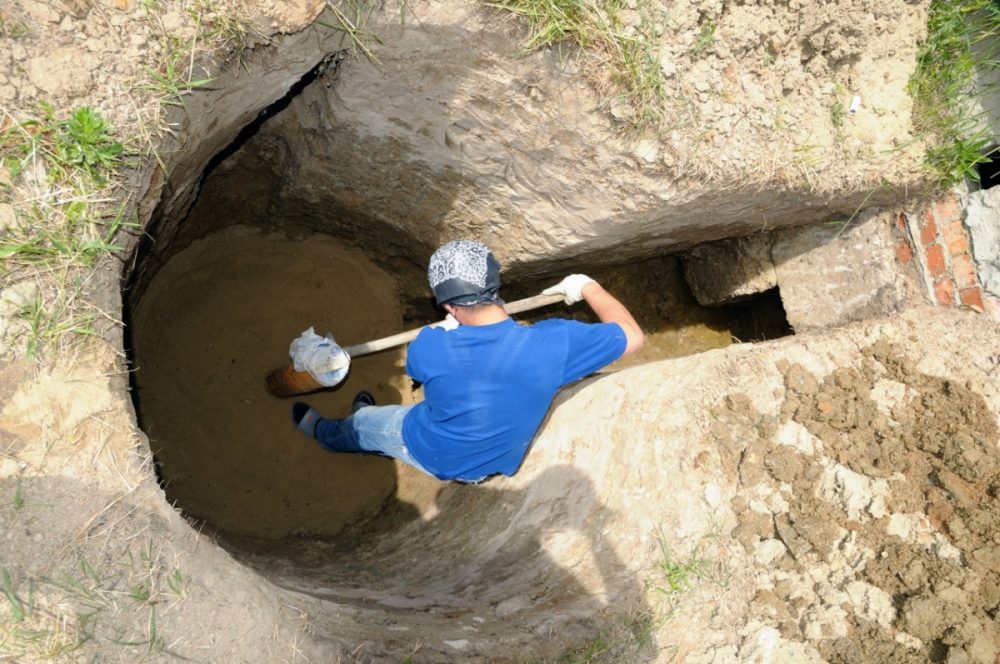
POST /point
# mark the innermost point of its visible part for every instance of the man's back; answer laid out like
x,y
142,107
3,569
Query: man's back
x,y
487,389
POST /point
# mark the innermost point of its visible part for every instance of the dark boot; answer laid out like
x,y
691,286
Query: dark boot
x,y
362,400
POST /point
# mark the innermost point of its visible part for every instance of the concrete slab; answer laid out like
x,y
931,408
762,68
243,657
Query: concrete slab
x,y
829,275
731,270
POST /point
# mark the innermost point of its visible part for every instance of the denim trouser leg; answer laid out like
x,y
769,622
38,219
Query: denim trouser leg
x,y
371,430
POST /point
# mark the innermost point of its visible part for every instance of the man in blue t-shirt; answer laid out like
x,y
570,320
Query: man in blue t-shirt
x,y
488,381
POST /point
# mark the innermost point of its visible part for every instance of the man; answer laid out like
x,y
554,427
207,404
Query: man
x,y
488,381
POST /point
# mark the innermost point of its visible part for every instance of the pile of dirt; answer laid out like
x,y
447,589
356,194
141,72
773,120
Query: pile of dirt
x,y
876,523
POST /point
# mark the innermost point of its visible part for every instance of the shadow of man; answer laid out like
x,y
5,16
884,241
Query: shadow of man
x,y
499,570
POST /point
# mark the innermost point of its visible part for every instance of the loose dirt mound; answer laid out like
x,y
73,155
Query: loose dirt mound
x,y
876,523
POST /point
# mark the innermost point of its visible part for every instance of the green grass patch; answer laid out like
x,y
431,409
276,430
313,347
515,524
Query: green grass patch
x,y
619,42
627,638
102,610
57,171
961,43
172,81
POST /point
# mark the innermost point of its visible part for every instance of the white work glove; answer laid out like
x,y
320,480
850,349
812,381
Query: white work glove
x,y
449,323
571,288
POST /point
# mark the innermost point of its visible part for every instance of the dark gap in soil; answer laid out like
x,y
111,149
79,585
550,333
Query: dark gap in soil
x,y
989,170
250,130
759,318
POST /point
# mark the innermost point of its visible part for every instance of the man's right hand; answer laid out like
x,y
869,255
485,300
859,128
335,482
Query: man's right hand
x,y
604,304
571,288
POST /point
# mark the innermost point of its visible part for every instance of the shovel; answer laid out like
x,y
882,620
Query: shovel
x,y
287,381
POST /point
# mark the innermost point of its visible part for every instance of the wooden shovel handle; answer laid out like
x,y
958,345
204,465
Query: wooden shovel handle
x,y
527,304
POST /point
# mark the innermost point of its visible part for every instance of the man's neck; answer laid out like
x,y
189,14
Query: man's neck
x,y
484,315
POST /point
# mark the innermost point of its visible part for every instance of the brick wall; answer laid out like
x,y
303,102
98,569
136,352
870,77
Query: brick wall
x,y
935,238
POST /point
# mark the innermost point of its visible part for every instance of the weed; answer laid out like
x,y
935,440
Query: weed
x,y
140,593
587,653
84,142
171,83
217,25
624,60
837,114
57,165
960,42
705,39
677,576
624,639
46,324
844,224
177,583
100,602
18,494
353,28
8,591
12,29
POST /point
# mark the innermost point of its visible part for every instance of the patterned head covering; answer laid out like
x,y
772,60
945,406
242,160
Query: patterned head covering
x,y
464,272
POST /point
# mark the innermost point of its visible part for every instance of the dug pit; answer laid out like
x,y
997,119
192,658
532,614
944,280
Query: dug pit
x,y
212,309
220,314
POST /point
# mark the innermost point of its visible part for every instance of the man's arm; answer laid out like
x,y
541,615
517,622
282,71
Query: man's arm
x,y
578,287
610,310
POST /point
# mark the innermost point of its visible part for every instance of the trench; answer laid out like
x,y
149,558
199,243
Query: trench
x,y
375,550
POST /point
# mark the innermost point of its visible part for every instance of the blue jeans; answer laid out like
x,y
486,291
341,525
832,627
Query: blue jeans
x,y
371,430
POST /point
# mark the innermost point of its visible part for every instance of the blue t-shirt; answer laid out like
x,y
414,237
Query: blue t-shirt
x,y
487,389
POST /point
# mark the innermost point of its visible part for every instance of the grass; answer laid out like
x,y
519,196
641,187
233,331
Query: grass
x,y
353,27
705,39
172,81
63,226
106,604
677,576
61,174
961,43
628,638
622,56
630,635
12,29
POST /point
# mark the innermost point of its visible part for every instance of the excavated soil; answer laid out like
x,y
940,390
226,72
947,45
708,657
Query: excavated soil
x,y
877,521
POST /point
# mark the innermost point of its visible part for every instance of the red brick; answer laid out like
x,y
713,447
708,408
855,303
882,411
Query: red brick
x,y
904,252
928,233
947,209
964,270
955,239
972,297
935,260
944,291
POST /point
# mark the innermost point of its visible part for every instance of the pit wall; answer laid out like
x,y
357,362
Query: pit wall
x,y
455,131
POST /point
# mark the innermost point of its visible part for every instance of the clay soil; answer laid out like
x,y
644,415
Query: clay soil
x,y
889,481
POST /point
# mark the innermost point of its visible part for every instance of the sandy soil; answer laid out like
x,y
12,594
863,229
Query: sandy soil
x,y
215,320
